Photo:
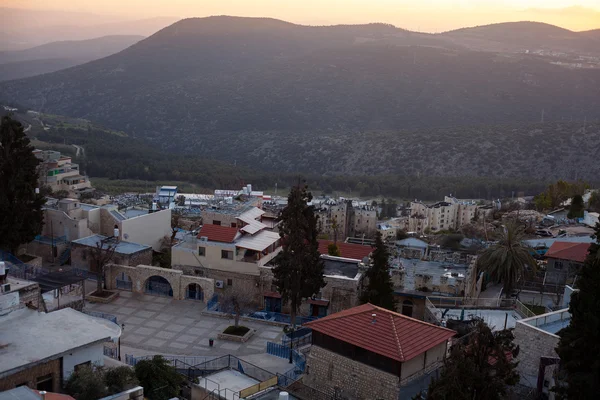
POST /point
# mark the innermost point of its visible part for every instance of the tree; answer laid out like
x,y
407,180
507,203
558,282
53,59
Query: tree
x,y
236,303
594,203
510,259
579,344
401,234
181,200
480,367
119,379
87,383
577,208
21,217
100,255
159,379
379,290
333,250
298,268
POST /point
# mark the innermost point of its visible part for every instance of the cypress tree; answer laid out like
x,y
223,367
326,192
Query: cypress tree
x,y
21,215
579,345
379,290
299,269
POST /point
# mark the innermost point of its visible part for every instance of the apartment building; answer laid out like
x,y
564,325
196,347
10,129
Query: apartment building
x,y
345,218
60,173
450,214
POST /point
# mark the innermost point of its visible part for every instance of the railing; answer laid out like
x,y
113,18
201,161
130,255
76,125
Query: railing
x,y
301,340
197,294
548,318
521,308
97,314
111,352
433,312
124,285
284,318
51,240
279,350
213,303
64,257
158,289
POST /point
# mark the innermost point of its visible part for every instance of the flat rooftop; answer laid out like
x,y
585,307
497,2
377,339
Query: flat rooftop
x,y
551,322
434,268
28,336
229,379
347,269
122,247
494,318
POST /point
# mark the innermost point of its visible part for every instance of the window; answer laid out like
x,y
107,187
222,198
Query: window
x,y
229,282
82,365
226,254
215,222
202,251
233,225
44,383
558,265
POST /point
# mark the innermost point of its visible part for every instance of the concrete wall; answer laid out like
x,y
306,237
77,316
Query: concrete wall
x,y
188,254
149,229
425,362
80,257
335,374
29,376
534,343
94,354
210,217
240,282
60,224
140,274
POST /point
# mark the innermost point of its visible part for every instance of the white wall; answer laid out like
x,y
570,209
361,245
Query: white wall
x,y
94,353
147,229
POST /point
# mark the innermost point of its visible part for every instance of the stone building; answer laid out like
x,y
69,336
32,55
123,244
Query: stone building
x,y
60,173
564,260
368,352
450,214
350,219
126,253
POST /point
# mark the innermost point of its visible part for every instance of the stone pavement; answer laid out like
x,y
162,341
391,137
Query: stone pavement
x,y
161,325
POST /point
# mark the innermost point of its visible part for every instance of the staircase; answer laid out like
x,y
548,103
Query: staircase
x,y
65,256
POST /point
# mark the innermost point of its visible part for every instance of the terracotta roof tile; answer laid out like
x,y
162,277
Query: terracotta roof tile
x,y
568,251
392,335
218,233
347,250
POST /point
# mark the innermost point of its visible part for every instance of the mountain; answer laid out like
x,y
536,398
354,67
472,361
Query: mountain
x,y
203,86
522,36
59,55
594,34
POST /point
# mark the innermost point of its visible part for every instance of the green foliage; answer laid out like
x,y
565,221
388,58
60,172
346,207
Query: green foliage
x,y
159,379
236,330
298,268
388,209
509,260
579,344
401,234
92,383
577,207
21,215
452,241
557,193
481,368
333,250
379,290
594,203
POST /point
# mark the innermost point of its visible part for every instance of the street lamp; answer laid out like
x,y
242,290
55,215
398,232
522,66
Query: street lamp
x,y
119,341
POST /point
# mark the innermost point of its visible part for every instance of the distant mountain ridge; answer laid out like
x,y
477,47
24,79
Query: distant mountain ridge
x,y
201,84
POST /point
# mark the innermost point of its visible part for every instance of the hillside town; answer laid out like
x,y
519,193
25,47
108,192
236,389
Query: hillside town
x,y
211,289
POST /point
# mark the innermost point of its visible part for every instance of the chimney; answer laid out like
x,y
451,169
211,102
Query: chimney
x,y
374,316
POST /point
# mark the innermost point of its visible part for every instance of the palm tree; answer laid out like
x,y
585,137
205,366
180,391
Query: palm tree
x,y
510,259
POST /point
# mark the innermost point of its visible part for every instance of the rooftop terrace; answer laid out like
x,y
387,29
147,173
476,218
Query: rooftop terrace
x,y
122,247
550,322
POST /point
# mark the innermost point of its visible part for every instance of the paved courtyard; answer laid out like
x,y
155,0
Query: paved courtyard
x,y
161,325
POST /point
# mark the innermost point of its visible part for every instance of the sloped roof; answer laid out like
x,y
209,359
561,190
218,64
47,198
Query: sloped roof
x,y
218,233
568,251
347,250
392,335
258,242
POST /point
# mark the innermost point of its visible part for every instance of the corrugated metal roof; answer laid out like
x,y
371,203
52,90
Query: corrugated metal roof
x,y
122,247
389,334
412,242
251,214
218,233
253,227
258,242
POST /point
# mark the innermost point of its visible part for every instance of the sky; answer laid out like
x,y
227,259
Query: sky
x,y
422,15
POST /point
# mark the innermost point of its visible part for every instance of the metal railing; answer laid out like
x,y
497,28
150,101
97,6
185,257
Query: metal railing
x,y
301,340
548,318
111,352
213,303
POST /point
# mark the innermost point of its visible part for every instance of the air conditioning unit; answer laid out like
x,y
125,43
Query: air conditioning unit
x,y
204,238
5,288
219,284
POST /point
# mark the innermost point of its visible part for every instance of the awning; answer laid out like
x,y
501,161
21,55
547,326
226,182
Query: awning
x,y
258,242
272,294
318,302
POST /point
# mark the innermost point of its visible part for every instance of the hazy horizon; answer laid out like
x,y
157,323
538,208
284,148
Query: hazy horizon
x,y
424,15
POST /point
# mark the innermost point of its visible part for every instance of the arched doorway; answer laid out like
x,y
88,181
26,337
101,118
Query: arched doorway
x,y
123,281
194,292
158,286
407,308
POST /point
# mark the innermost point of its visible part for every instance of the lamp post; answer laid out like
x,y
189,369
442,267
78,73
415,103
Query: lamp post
x,y
119,341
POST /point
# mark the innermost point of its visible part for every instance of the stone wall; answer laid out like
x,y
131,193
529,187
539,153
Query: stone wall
x,y
140,274
337,375
29,376
242,282
30,295
80,257
534,343
44,250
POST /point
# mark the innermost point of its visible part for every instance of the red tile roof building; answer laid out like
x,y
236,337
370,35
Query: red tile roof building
x,y
347,250
218,233
568,251
389,333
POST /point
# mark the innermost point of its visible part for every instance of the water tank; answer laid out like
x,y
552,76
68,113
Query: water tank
x,y
2,268
116,232
249,186
284,396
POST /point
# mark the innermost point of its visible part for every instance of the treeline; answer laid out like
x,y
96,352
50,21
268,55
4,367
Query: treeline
x,y
115,156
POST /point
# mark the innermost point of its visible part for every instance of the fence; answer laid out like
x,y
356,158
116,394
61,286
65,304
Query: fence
x,y
84,273
279,350
111,352
158,288
97,314
279,317
297,341
213,303
171,359
51,240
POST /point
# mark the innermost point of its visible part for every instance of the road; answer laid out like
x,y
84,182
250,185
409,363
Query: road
x,y
79,150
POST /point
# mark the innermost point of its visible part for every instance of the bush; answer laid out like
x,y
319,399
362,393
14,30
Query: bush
x,y
236,330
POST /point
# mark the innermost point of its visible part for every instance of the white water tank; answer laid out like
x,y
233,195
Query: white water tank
x,y
249,186
116,232
284,396
2,268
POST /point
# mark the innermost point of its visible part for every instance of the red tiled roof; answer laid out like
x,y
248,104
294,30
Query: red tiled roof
x,y
218,233
55,396
392,335
347,250
568,251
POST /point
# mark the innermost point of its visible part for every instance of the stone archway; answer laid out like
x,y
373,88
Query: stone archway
x,y
407,308
123,281
194,291
158,286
